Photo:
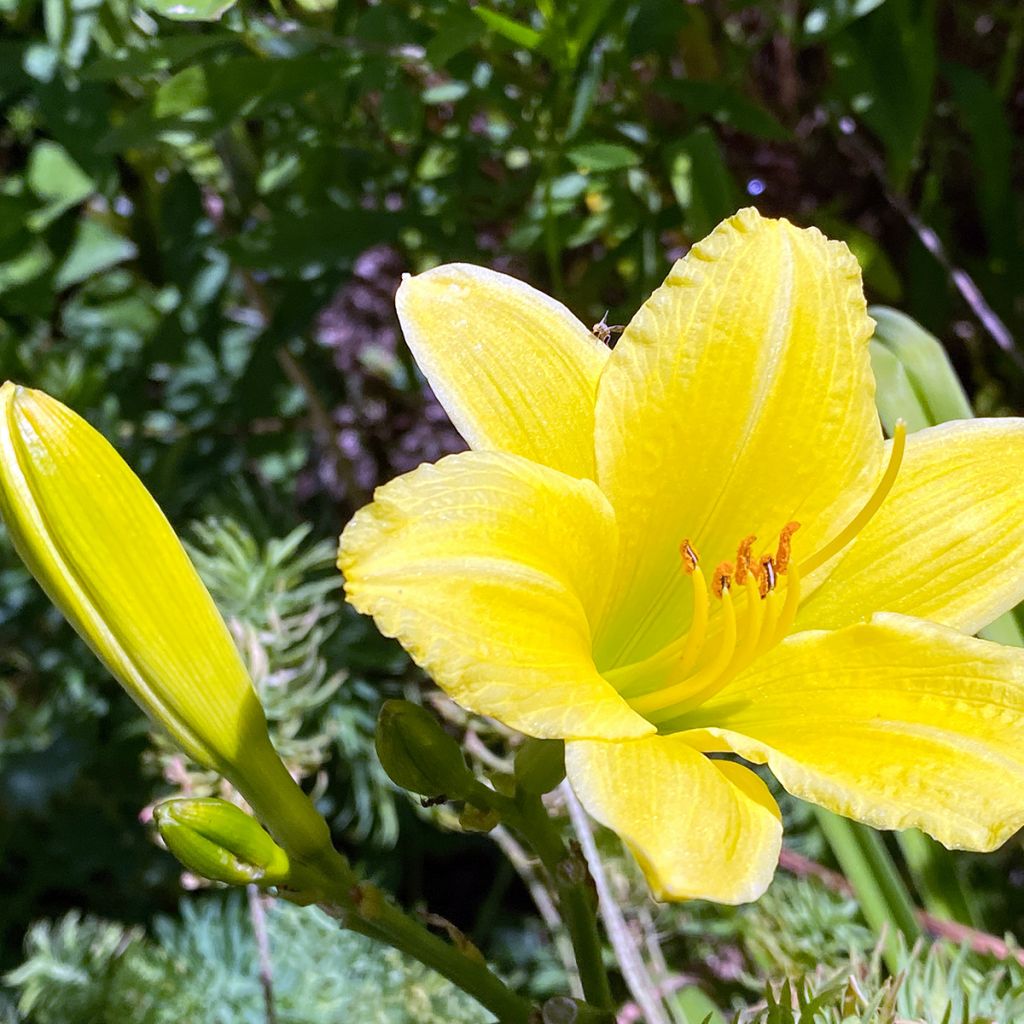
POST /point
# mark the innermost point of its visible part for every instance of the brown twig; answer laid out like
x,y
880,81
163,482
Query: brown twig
x,y
977,941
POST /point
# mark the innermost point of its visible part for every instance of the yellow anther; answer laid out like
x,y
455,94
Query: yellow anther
x,y
689,556
743,558
785,548
766,575
722,579
860,520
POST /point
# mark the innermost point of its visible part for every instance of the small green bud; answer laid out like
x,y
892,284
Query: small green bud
x,y
418,754
219,841
540,766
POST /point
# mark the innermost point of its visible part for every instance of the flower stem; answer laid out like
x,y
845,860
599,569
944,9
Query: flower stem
x,y
365,909
576,899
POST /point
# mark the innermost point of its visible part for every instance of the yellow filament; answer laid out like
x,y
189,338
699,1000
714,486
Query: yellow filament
x,y
788,615
860,520
695,686
699,625
766,639
755,620
643,676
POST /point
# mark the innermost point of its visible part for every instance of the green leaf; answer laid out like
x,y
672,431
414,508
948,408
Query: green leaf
x,y
831,16
725,105
458,31
884,71
445,92
54,177
701,181
191,10
514,31
982,114
95,248
603,156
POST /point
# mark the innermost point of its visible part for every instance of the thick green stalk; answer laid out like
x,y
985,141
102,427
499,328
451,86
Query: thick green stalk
x,y
367,910
576,900
880,891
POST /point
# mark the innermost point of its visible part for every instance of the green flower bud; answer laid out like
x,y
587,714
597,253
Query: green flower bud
x,y
219,841
540,765
418,754
97,542
929,373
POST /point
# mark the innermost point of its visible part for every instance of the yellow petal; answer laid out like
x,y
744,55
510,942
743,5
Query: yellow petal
x,y
739,398
490,570
948,543
102,550
700,829
514,369
899,723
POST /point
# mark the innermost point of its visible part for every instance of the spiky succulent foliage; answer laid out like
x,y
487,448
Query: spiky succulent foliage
x,y
204,967
280,599
937,984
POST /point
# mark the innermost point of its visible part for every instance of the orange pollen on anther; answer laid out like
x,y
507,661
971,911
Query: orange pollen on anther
x,y
722,578
766,576
690,559
785,549
743,558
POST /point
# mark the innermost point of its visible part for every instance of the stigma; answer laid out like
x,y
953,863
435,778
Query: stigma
x,y
758,598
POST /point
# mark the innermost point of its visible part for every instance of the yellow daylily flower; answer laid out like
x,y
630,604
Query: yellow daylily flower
x,y
699,544
99,545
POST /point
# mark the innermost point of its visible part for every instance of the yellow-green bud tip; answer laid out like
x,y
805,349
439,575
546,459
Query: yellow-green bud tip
x,y
219,841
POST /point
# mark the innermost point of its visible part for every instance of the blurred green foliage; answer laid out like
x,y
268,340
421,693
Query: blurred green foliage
x,y
203,966
202,224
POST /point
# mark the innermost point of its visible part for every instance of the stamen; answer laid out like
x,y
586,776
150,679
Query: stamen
x,y
769,625
755,620
743,558
788,615
766,576
785,549
693,689
860,520
722,579
641,677
699,623
690,559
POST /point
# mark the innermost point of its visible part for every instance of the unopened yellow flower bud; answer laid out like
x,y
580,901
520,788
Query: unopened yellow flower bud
x,y
219,841
102,550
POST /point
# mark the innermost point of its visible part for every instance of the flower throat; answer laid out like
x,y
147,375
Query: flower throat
x,y
759,597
